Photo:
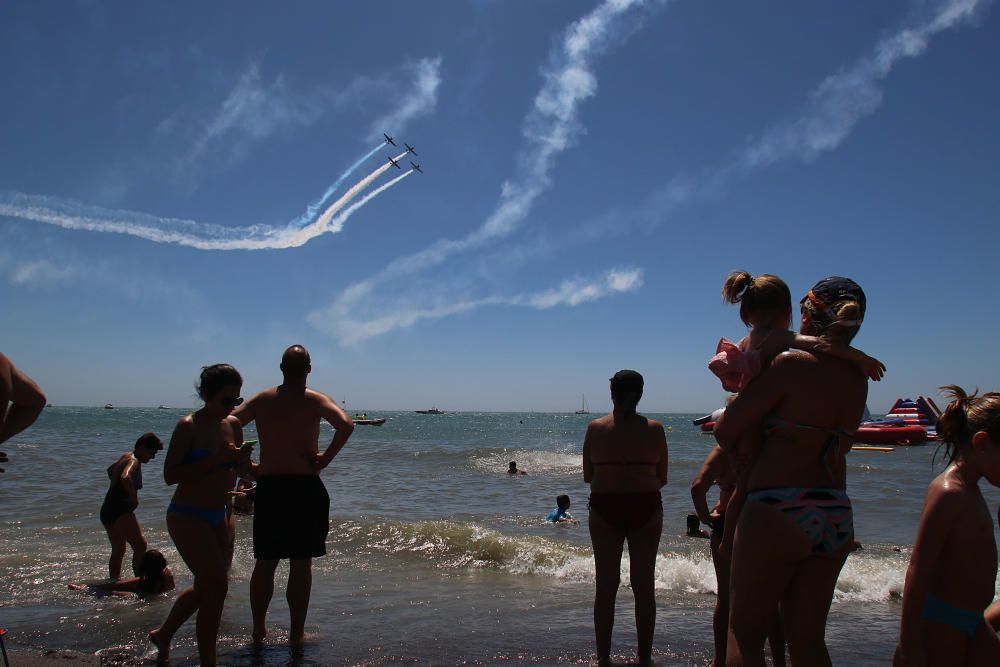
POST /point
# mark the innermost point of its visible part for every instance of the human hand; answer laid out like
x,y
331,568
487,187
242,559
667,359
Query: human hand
x,y
318,461
872,368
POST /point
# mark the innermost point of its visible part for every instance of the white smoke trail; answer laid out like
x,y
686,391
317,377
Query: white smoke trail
x,y
203,236
338,223
321,224
314,207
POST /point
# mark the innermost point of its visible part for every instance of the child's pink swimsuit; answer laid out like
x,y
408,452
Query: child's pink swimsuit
x,y
734,366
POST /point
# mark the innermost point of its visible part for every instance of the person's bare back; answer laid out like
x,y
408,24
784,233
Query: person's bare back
x,y
625,455
288,427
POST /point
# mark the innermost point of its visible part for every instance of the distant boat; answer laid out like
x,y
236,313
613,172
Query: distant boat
x,y
162,407
370,422
432,411
583,406
108,406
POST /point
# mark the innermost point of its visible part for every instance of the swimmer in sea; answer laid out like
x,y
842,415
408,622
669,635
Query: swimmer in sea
x,y
512,469
561,512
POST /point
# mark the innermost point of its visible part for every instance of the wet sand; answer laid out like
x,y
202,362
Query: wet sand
x,y
47,658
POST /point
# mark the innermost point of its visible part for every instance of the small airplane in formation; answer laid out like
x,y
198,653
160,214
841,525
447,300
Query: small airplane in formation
x,y
388,139
416,166
393,162
409,148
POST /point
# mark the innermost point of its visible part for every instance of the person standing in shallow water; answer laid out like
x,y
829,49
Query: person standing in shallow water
x,y
625,463
203,456
291,506
121,501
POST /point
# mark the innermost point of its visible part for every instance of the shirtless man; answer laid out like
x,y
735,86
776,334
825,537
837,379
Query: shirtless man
x,y
21,401
292,508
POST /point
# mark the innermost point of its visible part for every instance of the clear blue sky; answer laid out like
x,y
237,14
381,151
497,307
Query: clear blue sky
x,y
592,173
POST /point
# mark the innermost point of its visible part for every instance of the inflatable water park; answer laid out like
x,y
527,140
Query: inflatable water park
x,y
908,422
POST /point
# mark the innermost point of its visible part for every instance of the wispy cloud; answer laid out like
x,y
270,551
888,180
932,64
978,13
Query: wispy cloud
x,y
829,116
843,99
550,128
335,319
419,101
258,107
37,273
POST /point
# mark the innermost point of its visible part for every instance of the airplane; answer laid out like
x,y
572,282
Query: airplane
x,y
416,166
409,148
393,162
388,139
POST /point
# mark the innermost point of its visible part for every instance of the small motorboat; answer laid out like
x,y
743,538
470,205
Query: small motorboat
x,y
370,422
432,411
108,406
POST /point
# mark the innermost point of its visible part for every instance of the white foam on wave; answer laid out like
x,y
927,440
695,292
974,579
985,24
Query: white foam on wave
x,y
532,461
867,577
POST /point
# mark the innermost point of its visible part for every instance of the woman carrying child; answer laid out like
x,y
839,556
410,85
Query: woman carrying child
x,y
796,527
953,567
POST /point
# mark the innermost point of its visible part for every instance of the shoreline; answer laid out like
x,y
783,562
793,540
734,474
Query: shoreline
x,y
27,657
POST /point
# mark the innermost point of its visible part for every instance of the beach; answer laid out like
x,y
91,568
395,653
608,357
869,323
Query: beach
x,y
435,554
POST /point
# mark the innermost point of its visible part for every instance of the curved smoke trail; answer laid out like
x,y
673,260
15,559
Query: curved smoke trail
x,y
314,207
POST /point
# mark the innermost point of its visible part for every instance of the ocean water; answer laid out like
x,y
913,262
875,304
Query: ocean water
x,y
435,555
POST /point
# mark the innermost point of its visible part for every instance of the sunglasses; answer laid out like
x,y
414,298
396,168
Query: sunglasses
x,y
231,402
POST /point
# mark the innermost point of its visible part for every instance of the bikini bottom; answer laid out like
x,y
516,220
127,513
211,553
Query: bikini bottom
x,y
214,518
963,620
628,512
824,515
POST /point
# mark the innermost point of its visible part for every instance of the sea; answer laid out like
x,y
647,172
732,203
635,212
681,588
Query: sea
x,y
435,556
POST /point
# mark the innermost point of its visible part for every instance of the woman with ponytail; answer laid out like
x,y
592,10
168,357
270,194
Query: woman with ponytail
x,y
796,527
953,566
625,463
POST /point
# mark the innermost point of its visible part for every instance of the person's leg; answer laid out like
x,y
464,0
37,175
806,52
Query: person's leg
x,y
261,590
984,649
117,550
608,542
720,619
776,640
128,525
185,605
766,546
643,546
202,547
297,594
806,604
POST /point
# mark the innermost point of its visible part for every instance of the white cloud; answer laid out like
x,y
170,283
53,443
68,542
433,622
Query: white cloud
x,y
843,99
419,101
550,128
342,323
40,273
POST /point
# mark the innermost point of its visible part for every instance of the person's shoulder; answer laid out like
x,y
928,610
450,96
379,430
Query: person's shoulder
x,y
185,423
601,422
947,495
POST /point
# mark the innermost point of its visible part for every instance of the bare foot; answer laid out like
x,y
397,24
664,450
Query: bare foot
x,y
162,646
258,636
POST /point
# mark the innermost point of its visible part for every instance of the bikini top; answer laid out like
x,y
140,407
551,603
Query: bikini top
x,y
832,442
196,454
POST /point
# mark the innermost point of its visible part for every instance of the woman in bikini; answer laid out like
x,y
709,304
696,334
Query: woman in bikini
x,y
796,529
122,499
204,451
625,463
953,567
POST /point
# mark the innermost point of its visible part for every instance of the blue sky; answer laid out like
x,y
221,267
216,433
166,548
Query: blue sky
x,y
593,170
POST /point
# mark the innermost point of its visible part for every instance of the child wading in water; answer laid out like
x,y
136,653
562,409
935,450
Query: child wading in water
x,y
953,567
766,307
561,512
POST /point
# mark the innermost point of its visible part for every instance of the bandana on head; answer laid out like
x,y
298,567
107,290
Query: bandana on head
x,y
829,291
